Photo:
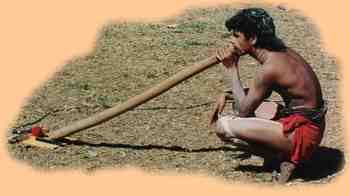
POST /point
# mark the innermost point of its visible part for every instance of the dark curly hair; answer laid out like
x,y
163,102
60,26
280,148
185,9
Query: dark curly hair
x,y
256,22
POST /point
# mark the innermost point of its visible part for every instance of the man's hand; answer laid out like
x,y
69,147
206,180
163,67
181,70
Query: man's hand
x,y
218,108
230,62
227,56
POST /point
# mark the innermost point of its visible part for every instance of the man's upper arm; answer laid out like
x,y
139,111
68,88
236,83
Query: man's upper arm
x,y
261,89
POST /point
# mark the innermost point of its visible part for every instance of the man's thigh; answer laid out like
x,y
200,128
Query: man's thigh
x,y
257,130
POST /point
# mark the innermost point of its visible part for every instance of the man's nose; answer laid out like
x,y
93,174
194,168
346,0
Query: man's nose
x,y
233,40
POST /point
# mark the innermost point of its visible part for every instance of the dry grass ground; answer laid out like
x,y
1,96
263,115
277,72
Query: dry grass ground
x,y
130,57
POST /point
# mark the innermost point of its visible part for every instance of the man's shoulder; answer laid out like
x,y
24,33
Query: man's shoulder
x,y
277,58
269,68
276,64
267,74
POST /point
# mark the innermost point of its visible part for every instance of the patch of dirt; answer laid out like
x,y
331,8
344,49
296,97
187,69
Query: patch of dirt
x,y
131,57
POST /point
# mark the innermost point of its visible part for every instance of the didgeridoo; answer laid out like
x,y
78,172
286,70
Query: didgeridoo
x,y
136,100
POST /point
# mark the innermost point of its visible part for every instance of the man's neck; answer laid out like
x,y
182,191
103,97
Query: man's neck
x,y
260,54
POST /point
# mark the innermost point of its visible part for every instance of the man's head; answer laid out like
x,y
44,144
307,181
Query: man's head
x,y
257,27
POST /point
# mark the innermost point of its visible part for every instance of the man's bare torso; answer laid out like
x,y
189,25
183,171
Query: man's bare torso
x,y
295,80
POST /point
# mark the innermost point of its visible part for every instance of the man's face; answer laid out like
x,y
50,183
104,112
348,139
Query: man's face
x,y
241,43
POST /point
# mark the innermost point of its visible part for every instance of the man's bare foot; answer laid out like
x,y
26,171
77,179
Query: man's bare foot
x,y
287,169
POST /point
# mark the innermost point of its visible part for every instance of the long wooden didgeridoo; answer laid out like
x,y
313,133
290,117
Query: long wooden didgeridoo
x,y
134,101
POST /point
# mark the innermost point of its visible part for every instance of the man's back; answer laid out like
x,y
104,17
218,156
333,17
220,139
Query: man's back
x,y
295,80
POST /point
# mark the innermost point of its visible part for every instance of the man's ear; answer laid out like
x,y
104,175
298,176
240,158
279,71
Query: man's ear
x,y
253,40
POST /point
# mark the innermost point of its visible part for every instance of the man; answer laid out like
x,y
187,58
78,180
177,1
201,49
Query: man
x,y
298,129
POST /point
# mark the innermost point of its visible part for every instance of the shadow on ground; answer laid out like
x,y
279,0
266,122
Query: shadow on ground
x,y
325,162
147,146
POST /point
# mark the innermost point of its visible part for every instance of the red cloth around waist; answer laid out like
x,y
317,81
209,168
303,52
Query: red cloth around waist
x,y
307,136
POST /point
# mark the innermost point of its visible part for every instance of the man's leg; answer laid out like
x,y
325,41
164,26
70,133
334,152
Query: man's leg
x,y
264,138
254,131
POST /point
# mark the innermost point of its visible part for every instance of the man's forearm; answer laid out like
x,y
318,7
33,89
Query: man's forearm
x,y
237,88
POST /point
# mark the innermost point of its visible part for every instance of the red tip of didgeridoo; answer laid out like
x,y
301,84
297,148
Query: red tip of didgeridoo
x,y
37,131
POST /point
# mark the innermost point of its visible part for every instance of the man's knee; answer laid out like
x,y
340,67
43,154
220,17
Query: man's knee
x,y
224,129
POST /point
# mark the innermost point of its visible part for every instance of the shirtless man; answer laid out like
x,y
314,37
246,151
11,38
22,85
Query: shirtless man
x,y
298,129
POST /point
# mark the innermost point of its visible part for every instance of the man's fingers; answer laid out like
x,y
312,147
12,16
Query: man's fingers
x,y
214,114
225,52
214,117
220,55
221,108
